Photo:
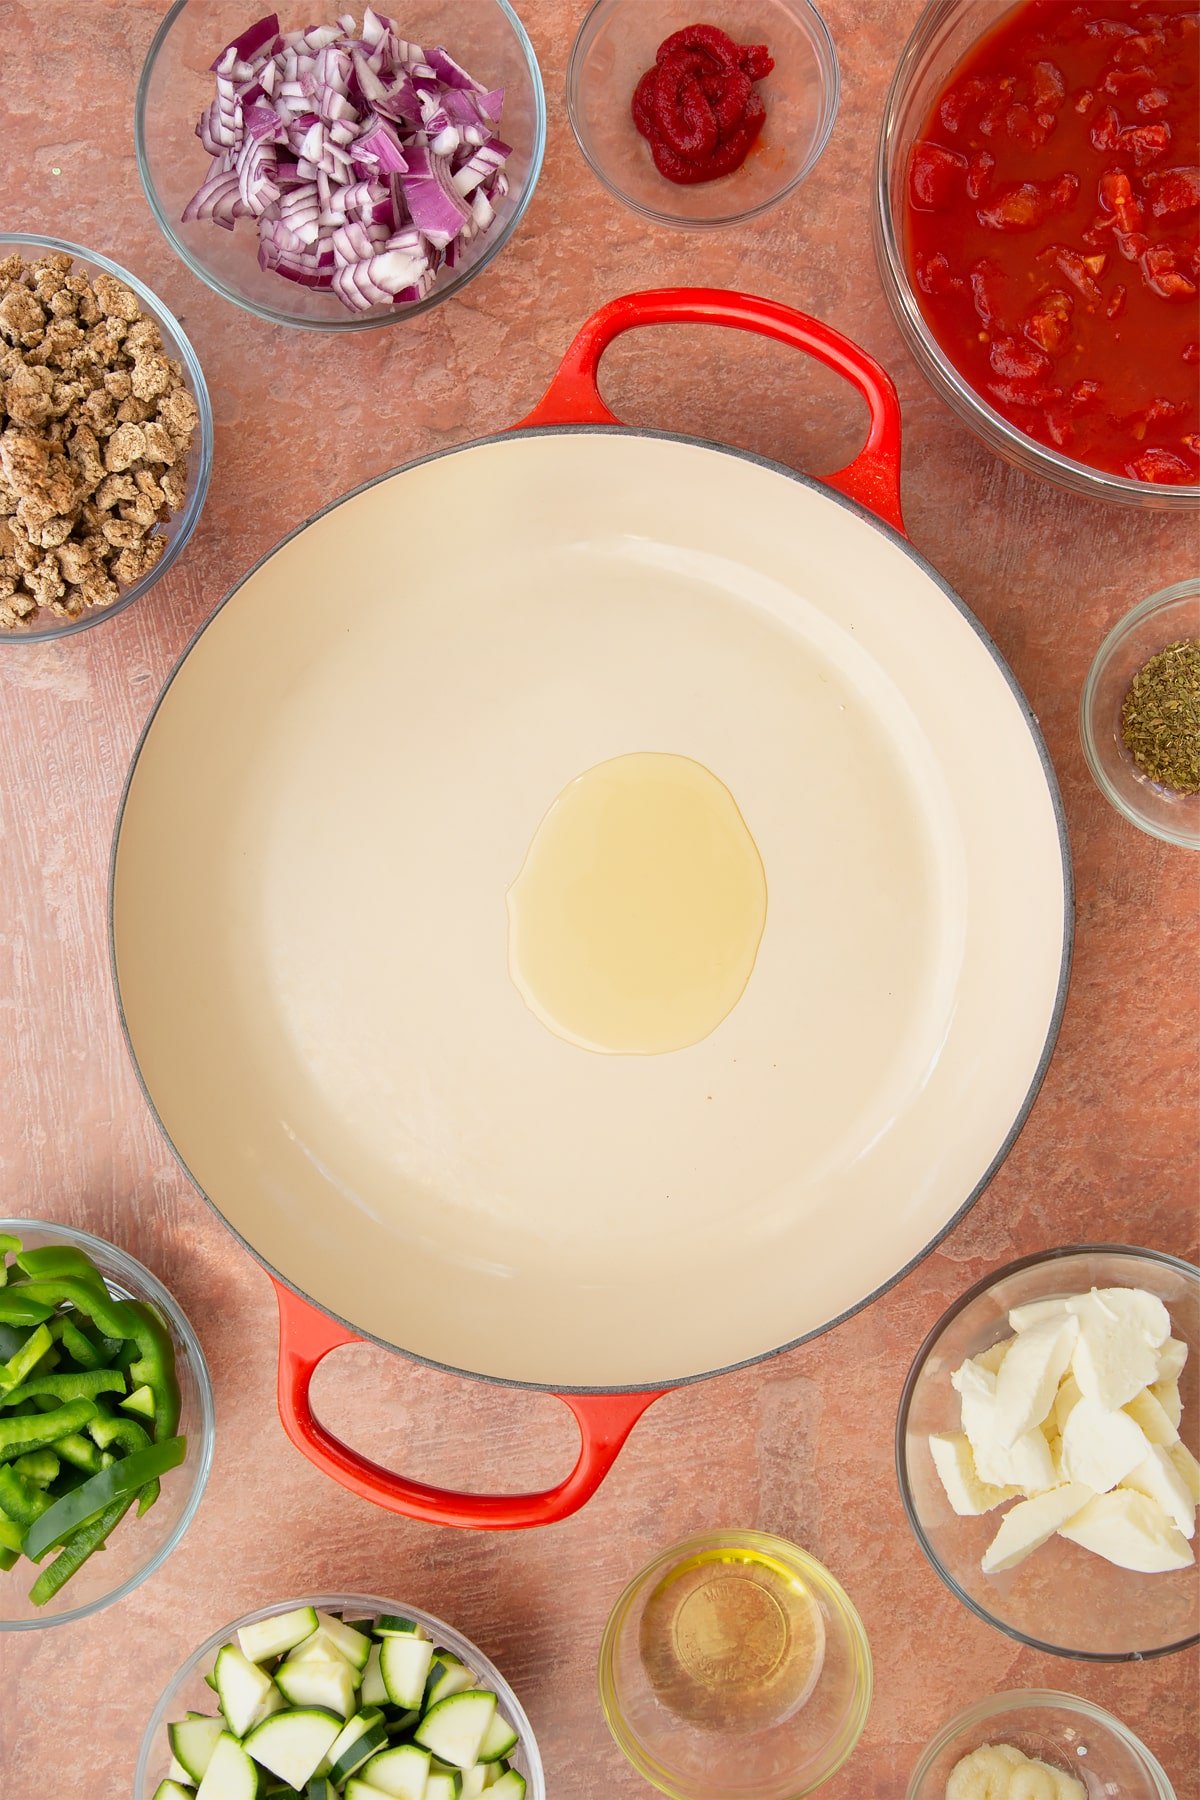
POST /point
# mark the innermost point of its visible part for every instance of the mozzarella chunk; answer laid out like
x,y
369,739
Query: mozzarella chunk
x,y
1056,1455
976,1389
1113,1359
1037,1311
1171,1359
1067,1397
1168,1397
1129,1530
1030,1463
955,1463
1027,1464
1101,1447
1141,1311
1031,1523
1159,1479
991,1358
1188,1467
1152,1418
1029,1376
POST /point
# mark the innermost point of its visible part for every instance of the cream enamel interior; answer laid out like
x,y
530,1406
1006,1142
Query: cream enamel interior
x,y
340,784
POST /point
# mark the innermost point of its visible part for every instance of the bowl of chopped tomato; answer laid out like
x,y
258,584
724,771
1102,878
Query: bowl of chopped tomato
x,y
1037,227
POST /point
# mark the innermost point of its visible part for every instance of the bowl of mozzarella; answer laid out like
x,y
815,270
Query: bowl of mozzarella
x,y
1046,1451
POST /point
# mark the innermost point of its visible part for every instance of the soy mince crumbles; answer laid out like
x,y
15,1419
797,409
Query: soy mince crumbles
x,y
96,422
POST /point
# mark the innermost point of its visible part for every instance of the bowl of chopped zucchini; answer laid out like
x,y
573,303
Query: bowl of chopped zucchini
x,y
339,1698
106,1424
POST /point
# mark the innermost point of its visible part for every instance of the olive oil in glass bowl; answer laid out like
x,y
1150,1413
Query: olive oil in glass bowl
x,y
735,1666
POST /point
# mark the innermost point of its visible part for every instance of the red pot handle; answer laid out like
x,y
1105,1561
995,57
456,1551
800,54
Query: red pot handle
x,y
307,1335
573,397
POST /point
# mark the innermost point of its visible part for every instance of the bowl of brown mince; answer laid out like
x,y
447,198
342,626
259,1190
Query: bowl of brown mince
x,y
106,438
1139,717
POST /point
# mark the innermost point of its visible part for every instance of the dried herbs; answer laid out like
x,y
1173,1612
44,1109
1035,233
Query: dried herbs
x,y
1160,717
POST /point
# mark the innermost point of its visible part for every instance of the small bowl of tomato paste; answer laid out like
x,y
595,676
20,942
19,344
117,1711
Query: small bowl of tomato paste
x,y
701,113
1037,227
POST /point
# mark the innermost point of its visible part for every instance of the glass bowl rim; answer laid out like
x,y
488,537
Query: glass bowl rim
x,y
367,1605
1033,1699
193,506
631,1746
1188,589
201,1456
830,71
352,321
1000,435
1166,1259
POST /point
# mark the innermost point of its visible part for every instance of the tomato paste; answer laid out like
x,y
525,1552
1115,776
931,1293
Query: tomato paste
x,y
1054,229
697,107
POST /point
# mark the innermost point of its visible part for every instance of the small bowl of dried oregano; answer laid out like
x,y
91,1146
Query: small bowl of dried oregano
x,y
1140,715
106,438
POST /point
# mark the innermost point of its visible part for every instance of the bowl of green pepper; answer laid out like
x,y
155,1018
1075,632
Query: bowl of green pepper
x,y
106,1424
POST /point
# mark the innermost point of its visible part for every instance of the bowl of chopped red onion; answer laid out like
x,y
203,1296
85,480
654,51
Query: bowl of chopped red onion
x,y
344,173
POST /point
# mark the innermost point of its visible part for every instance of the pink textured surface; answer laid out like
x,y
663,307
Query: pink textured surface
x,y
800,1445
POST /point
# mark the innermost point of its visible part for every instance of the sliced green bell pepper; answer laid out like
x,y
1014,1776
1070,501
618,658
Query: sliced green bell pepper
x,y
18,1307
121,1482
38,1344
76,1344
114,1317
79,1451
127,1435
9,1245
20,1501
53,1260
39,1466
39,1431
75,1552
79,1384
155,1367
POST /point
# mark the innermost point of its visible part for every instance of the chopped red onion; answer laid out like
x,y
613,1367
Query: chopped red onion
x,y
246,47
382,146
367,163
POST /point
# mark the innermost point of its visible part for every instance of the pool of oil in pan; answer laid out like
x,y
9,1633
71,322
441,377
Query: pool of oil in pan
x,y
635,920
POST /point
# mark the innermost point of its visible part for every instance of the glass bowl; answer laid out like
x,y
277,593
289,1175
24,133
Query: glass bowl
x,y
1081,1739
138,1547
186,1691
616,44
1061,1599
1153,624
179,528
485,36
943,34
735,1667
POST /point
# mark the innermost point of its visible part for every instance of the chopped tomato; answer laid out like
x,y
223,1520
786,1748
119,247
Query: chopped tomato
x,y
1174,191
1054,228
1049,321
935,176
